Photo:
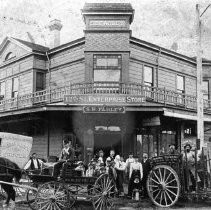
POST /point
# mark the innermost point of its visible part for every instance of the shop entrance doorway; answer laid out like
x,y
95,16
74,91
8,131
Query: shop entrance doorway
x,y
107,141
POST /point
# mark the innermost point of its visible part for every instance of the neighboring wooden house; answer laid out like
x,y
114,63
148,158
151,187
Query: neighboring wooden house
x,y
105,90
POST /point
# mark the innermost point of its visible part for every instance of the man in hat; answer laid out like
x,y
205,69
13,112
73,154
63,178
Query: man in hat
x,y
189,167
67,154
172,150
146,169
101,158
129,160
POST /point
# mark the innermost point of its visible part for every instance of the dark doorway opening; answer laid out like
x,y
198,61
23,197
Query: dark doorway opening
x,y
107,141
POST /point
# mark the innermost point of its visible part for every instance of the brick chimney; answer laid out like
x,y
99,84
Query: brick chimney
x,y
55,28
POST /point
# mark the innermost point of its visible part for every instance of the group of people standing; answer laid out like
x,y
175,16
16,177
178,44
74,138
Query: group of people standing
x,y
126,171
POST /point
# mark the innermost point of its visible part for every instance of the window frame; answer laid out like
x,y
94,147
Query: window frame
x,y
208,95
9,56
179,90
43,78
14,92
2,95
107,67
148,83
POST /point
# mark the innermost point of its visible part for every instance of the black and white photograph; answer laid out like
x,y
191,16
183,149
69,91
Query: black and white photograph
x,y
105,104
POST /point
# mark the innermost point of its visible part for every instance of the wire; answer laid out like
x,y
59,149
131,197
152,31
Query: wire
x,y
205,10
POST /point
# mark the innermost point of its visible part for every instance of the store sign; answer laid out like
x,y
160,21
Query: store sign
x,y
123,100
104,109
107,23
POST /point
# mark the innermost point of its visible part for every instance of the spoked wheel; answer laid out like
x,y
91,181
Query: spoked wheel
x,y
53,195
163,186
103,193
31,196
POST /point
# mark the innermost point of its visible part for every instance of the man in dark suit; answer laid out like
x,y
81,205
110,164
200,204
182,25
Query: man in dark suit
x,y
146,169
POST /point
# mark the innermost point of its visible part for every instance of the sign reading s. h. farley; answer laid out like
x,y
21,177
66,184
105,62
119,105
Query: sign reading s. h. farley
x,y
107,23
104,109
124,100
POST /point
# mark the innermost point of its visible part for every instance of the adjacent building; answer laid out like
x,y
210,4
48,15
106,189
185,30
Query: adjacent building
x,y
105,90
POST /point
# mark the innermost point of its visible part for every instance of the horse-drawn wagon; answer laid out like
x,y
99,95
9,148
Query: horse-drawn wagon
x,y
46,191
62,194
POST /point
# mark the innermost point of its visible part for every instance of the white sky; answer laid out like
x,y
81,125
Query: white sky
x,y
162,22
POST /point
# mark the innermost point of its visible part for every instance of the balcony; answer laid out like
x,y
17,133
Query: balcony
x,y
152,94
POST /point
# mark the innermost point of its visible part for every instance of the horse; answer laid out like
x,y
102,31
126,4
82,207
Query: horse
x,y
8,171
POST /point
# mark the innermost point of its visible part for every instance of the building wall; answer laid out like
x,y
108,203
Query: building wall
x,y
66,67
166,69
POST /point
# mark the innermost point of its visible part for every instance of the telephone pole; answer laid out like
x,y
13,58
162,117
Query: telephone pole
x,y
200,111
200,106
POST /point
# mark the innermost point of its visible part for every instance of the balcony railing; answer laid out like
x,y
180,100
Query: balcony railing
x,y
153,94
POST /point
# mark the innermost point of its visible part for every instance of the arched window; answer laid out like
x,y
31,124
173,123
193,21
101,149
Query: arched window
x,y
9,56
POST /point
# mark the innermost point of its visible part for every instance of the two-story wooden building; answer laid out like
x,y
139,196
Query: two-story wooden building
x,y
105,90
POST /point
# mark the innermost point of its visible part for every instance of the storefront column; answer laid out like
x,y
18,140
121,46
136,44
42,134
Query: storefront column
x,y
88,139
180,135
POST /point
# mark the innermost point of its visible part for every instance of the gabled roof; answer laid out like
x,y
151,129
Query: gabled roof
x,y
34,47
28,46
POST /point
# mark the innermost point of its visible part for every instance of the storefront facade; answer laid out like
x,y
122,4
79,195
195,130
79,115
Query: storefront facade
x,y
105,90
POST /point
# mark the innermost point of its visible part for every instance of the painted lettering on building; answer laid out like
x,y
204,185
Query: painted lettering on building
x,y
104,109
107,23
104,100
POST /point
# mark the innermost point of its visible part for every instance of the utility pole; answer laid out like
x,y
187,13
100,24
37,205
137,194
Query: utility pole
x,y
200,108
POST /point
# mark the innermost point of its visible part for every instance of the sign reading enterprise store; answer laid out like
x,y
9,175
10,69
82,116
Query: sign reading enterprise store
x,y
121,100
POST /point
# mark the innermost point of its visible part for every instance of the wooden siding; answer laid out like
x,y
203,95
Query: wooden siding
x,y
26,83
67,56
74,73
167,62
16,68
167,79
135,72
40,64
190,86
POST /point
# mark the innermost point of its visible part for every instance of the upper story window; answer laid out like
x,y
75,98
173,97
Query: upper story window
x,y
2,90
15,87
205,89
107,68
148,76
39,81
9,56
180,84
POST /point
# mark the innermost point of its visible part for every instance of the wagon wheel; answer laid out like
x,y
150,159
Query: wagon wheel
x,y
163,186
30,197
53,195
103,192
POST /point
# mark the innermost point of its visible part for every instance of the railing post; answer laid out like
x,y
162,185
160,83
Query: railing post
x,y
165,96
